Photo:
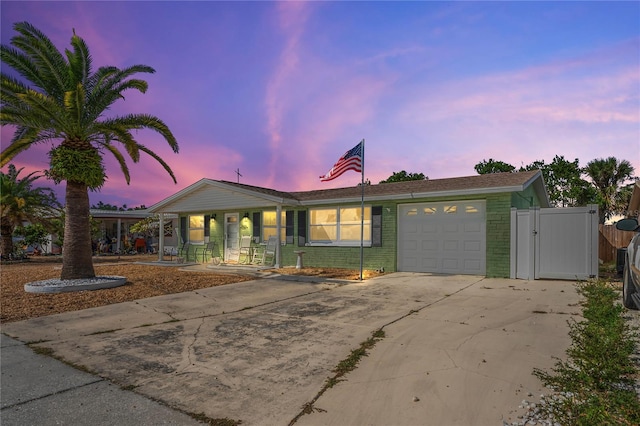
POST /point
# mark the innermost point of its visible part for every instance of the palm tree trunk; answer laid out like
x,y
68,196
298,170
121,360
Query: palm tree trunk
x,y
6,230
76,258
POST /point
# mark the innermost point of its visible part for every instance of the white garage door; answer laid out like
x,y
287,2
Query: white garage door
x,y
448,237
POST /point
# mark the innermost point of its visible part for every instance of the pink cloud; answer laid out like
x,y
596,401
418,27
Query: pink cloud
x,y
291,17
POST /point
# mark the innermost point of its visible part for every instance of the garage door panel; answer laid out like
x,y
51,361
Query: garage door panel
x,y
447,237
450,265
472,266
472,227
450,246
429,228
411,227
472,246
411,262
429,245
410,245
449,228
429,263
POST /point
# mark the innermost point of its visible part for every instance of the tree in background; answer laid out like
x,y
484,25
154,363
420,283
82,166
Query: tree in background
x,y
150,226
56,228
107,206
608,175
34,235
403,176
21,202
564,182
492,166
60,98
567,187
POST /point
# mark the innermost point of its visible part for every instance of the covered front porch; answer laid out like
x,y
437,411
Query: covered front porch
x,y
226,225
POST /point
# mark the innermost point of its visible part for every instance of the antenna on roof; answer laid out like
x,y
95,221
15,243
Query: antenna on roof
x,y
239,175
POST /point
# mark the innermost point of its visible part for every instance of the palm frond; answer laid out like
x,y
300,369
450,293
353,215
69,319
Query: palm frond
x,y
42,110
79,60
120,158
22,64
146,121
50,63
74,102
108,88
159,160
120,134
23,139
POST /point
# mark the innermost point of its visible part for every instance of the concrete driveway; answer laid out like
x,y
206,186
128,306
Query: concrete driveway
x,y
458,350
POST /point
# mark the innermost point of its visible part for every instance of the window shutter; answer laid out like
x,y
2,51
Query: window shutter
x,y
183,228
376,226
289,226
256,224
302,228
207,227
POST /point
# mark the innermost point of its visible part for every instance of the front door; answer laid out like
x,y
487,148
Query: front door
x,y
231,236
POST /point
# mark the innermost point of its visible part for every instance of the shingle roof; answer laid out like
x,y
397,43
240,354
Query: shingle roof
x,y
249,194
477,183
261,190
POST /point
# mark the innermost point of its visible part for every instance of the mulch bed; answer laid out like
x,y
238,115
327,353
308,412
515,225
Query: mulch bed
x,y
142,281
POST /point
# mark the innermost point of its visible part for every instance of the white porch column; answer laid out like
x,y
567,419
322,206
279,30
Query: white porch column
x,y
160,237
278,227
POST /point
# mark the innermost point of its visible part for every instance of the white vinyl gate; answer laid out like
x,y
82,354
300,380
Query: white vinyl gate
x,y
560,243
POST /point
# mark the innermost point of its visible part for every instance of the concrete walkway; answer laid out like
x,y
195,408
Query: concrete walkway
x,y
457,350
39,390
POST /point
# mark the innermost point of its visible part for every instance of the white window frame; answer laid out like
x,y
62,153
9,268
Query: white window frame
x,y
338,226
274,227
196,230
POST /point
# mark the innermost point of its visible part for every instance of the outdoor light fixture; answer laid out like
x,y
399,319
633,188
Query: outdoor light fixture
x,y
246,215
213,216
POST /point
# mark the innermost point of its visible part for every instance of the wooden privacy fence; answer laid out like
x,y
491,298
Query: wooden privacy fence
x,y
610,240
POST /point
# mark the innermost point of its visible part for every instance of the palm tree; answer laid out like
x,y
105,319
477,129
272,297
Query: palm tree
x,y
20,202
65,102
608,175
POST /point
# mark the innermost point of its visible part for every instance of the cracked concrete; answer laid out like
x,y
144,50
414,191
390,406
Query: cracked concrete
x,y
458,349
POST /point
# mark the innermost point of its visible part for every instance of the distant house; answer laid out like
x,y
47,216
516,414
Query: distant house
x,y
115,236
457,226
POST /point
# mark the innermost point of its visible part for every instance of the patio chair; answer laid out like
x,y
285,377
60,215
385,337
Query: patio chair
x,y
206,249
258,253
268,252
245,249
170,251
184,251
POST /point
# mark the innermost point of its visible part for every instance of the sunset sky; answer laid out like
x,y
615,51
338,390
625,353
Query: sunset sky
x,y
281,90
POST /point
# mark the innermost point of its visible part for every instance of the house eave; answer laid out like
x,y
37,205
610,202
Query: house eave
x,y
259,198
120,214
417,195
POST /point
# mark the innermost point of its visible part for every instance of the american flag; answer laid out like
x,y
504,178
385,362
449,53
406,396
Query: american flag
x,y
351,160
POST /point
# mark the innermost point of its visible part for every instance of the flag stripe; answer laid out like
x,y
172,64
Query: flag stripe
x,y
337,171
351,160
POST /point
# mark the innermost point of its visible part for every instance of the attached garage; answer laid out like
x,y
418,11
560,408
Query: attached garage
x,y
442,237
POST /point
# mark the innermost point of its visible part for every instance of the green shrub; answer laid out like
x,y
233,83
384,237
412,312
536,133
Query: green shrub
x,y
595,385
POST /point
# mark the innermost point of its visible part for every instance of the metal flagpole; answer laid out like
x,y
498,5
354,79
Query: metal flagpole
x,y
362,215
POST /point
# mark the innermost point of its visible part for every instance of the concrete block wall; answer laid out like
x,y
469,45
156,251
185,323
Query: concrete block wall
x,y
349,257
498,235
